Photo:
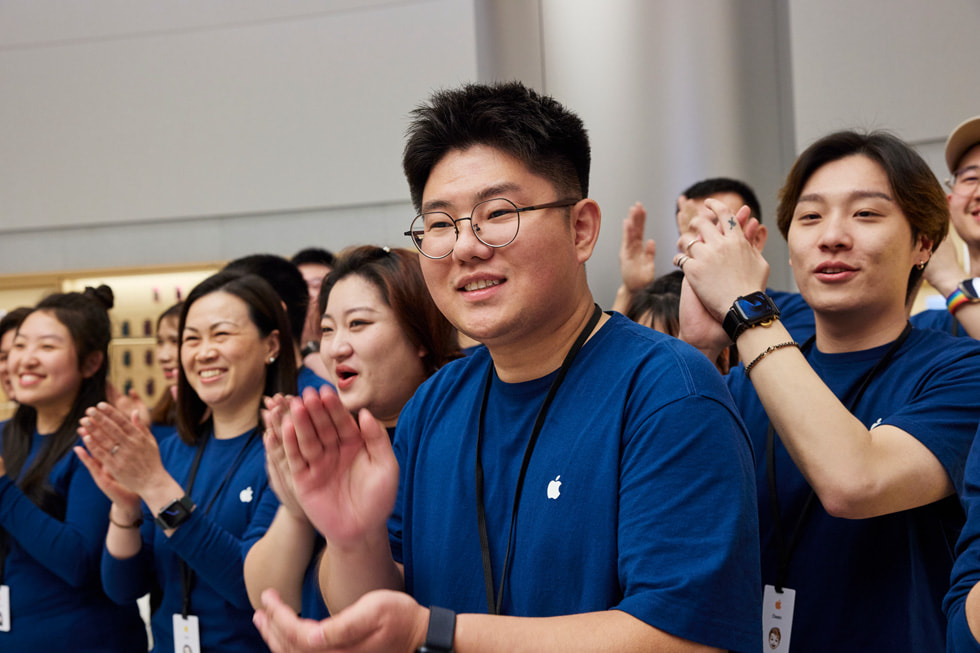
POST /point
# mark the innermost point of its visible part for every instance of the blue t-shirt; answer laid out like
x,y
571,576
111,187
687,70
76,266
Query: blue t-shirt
x,y
939,319
212,541
966,569
307,378
794,313
639,495
52,568
874,584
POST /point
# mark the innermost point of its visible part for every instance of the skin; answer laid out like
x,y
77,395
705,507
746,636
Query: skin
x,y
851,249
6,344
168,341
344,470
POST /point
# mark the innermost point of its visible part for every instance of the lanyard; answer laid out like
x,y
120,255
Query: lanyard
x,y
186,573
494,604
784,550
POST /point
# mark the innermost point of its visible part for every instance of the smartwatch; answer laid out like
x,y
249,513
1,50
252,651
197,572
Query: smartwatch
x,y
967,292
442,628
175,514
748,311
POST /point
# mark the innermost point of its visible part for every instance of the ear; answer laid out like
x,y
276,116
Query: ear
x,y
760,237
923,249
272,345
585,221
92,363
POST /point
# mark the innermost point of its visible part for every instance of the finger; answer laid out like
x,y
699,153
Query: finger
x,y
344,422
376,439
299,428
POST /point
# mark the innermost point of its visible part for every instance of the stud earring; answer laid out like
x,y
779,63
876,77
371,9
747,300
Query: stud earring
x,y
272,359
922,266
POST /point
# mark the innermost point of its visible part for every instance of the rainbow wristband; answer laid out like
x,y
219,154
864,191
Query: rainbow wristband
x,y
956,300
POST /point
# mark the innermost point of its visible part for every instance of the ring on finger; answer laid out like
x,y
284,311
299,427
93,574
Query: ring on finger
x,y
680,260
687,248
114,449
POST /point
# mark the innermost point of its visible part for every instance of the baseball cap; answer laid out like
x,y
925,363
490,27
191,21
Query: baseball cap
x,y
965,136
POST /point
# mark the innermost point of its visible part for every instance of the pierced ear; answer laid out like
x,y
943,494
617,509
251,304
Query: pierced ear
x,y
272,352
92,363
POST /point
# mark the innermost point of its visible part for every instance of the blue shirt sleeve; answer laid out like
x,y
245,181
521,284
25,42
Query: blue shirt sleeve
x,y
128,579
68,548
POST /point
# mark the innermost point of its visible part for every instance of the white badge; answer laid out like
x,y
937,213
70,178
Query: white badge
x,y
187,638
777,619
5,608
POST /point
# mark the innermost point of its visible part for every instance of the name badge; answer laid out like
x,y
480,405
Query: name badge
x,y
777,619
187,638
5,608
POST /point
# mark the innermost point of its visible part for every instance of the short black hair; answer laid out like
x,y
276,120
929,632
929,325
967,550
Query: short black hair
x,y
286,279
534,129
316,255
714,185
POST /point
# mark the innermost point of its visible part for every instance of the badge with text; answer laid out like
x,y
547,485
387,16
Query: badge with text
x,y
187,638
777,619
5,608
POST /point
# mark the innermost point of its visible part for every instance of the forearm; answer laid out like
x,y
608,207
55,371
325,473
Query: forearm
x,y
280,558
968,315
613,631
855,472
123,543
349,572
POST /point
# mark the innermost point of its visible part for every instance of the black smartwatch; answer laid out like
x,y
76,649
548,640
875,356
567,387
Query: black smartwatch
x,y
749,311
175,514
442,628
970,288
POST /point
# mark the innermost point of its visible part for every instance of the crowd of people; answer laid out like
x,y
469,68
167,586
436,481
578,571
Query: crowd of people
x,y
713,465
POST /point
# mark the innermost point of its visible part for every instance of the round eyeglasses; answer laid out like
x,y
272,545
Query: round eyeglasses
x,y
494,222
964,182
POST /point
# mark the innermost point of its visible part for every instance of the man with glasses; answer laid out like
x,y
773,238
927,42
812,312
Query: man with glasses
x,y
944,273
579,483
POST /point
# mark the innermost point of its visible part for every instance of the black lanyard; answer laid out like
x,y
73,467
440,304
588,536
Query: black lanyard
x,y
186,573
494,605
785,552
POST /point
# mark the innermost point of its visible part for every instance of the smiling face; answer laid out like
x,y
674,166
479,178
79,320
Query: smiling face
x,y
850,245
965,209
167,347
509,295
373,363
223,355
6,344
43,364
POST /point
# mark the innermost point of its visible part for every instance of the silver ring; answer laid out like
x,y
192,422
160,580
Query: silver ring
x,y
680,260
687,248
112,452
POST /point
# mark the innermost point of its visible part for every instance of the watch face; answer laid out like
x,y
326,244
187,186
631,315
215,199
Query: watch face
x,y
754,307
971,288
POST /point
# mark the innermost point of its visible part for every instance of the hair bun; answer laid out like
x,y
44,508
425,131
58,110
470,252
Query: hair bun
x,y
103,294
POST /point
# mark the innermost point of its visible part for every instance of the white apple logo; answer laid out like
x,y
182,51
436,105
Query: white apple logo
x,y
554,488
246,495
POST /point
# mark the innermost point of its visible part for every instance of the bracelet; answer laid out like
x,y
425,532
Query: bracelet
x,y
956,300
135,524
769,350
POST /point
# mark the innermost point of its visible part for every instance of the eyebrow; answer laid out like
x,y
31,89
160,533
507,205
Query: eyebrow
x,y
962,170
215,325
853,195
355,309
490,192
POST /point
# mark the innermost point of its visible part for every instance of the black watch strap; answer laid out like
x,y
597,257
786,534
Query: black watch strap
x,y
175,514
442,628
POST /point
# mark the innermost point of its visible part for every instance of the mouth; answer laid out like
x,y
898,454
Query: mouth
x,y
834,271
481,284
26,380
210,374
345,377
170,373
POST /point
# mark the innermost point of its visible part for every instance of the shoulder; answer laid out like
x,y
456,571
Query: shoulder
x,y
933,318
307,378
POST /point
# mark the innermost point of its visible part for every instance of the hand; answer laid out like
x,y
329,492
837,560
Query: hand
x,y
724,265
697,326
636,257
345,474
128,502
381,621
944,271
128,403
124,448
275,455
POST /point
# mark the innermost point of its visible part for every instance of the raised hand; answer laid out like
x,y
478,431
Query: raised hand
x,y
125,449
277,466
345,473
128,403
636,256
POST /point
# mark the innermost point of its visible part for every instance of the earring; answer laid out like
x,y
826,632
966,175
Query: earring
x,y
922,266
272,359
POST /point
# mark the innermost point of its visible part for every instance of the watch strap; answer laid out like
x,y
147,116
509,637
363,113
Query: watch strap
x,y
175,513
442,629
735,323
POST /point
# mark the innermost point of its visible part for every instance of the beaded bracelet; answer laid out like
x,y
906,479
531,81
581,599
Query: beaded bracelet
x,y
956,300
769,350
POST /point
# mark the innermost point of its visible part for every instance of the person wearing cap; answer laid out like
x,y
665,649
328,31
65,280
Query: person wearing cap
x,y
962,314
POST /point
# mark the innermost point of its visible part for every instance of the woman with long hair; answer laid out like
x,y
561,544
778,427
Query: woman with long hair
x,y
53,518
204,491
382,337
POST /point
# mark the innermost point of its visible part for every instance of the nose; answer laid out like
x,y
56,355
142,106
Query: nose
x,y
335,347
468,246
834,233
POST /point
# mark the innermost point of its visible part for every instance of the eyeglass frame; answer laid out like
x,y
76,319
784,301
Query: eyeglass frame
x,y
557,204
951,181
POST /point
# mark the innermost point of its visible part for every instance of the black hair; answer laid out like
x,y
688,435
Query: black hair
x,y
265,312
85,315
12,319
165,410
286,280
715,185
535,129
660,299
316,255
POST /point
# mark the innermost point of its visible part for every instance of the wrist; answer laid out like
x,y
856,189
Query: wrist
x,y
966,292
440,631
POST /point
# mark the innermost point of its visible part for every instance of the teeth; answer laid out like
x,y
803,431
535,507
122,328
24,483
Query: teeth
x,y
480,285
209,374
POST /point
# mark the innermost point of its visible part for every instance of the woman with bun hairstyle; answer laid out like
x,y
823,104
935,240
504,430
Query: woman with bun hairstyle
x,y
382,336
53,518
183,514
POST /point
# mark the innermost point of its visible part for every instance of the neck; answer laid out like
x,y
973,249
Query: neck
x,y
973,265
537,357
835,335
230,422
49,418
